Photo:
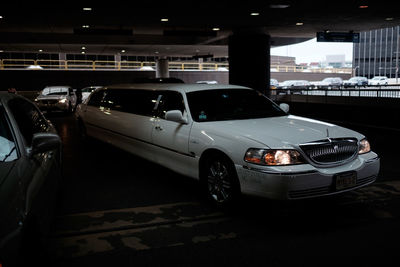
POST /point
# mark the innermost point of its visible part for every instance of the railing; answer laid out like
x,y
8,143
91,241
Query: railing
x,y
389,91
142,65
104,65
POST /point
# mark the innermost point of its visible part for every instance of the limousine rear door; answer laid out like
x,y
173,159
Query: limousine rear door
x,y
171,138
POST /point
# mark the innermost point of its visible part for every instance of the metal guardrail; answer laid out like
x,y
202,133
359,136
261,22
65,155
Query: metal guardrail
x,y
104,65
141,65
384,91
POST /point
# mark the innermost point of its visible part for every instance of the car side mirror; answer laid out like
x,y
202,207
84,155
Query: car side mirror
x,y
43,142
284,107
175,115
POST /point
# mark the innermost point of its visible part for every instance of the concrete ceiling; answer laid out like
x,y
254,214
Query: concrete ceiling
x,y
190,30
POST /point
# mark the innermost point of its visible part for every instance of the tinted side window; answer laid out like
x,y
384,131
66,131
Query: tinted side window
x,y
28,118
139,102
170,100
96,98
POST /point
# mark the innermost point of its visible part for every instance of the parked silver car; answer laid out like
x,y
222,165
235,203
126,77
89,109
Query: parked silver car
x,y
57,98
30,160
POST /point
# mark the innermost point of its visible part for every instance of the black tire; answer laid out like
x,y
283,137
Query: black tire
x,y
219,181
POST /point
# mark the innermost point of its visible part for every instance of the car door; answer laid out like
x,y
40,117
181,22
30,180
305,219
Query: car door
x,y
39,173
171,138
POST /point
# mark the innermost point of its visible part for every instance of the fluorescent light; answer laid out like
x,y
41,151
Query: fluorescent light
x,y
254,14
215,29
279,6
299,24
164,20
85,26
87,8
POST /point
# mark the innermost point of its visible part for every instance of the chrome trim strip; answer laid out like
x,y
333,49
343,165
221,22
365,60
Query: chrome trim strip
x,y
279,173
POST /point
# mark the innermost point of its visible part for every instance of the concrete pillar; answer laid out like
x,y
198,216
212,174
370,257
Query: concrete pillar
x,y
162,70
62,57
249,59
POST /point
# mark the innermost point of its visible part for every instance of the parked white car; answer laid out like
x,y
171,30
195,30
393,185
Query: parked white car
x,y
57,98
379,80
231,138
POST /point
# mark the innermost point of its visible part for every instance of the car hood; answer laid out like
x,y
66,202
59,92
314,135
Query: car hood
x,y
51,97
283,132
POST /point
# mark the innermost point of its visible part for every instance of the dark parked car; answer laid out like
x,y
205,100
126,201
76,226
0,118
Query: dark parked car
x,y
331,83
356,82
30,159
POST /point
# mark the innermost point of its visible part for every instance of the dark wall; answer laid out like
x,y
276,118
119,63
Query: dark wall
x,y
34,80
28,80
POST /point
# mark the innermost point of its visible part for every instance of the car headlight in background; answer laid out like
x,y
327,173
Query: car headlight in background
x,y
62,101
364,147
273,157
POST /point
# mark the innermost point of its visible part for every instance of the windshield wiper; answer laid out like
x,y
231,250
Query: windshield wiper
x,y
9,154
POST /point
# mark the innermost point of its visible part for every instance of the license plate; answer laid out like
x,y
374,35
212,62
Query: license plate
x,y
346,180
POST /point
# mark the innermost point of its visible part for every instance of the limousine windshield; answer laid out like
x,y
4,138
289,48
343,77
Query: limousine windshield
x,y
231,104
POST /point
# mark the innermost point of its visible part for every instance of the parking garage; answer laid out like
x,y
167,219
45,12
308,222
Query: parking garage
x,y
114,208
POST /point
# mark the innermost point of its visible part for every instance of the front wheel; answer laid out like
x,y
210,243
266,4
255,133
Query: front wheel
x,y
220,181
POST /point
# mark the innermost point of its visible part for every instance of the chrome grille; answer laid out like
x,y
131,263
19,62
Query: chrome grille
x,y
331,151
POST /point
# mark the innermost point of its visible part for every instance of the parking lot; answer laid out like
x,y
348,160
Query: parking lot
x,y
116,209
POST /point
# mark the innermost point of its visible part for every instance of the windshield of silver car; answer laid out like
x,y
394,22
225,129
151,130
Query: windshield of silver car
x,y
231,104
55,91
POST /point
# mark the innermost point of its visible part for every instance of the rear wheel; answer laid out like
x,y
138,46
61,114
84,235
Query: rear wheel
x,y
220,181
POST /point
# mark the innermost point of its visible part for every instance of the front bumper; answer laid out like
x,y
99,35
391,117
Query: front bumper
x,y
305,181
52,105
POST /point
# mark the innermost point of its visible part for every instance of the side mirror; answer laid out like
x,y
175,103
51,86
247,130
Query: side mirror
x,y
284,107
43,142
175,115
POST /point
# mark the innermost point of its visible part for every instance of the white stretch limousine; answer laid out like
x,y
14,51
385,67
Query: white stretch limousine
x,y
232,138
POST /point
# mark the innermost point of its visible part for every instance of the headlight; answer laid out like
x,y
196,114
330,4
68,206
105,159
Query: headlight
x,y
62,100
273,157
364,147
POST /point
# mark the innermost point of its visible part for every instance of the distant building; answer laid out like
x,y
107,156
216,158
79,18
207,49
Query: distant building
x,y
283,61
336,61
377,54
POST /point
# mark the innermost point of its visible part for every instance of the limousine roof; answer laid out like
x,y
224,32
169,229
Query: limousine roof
x,y
181,87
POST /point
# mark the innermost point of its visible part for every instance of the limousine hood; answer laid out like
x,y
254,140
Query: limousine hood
x,y
283,132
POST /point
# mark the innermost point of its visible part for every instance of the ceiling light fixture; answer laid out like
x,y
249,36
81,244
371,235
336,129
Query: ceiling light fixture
x,y
299,24
85,26
254,14
279,6
363,6
87,9
83,52
123,51
389,19
40,50
164,20
215,29
83,48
